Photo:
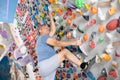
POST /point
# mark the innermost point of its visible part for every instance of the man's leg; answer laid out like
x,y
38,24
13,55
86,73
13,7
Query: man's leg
x,y
48,67
91,62
50,77
66,54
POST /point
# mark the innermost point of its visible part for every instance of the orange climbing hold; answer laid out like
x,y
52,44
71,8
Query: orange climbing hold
x,y
51,1
60,11
75,76
85,37
101,28
69,21
106,57
63,75
80,12
53,13
94,10
73,15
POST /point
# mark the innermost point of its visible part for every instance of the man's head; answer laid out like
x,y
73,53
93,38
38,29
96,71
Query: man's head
x,y
43,29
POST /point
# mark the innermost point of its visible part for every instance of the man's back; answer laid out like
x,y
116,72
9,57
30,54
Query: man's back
x,y
44,50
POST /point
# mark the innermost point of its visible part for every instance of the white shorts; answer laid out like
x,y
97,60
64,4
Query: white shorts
x,y
47,68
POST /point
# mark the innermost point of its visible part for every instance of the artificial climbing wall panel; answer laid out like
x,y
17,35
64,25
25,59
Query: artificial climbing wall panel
x,y
85,19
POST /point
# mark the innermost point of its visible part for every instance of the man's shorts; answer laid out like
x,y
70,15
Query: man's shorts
x,y
47,68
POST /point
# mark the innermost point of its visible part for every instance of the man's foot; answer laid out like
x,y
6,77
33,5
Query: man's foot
x,y
89,64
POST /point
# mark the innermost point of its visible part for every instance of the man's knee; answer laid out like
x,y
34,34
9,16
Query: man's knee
x,y
62,54
66,52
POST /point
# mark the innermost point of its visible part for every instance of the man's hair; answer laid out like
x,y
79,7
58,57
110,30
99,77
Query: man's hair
x,y
40,27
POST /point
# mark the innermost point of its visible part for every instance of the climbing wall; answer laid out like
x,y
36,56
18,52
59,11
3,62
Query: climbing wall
x,y
75,19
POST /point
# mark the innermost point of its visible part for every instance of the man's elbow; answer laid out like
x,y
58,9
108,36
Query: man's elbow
x,y
58,43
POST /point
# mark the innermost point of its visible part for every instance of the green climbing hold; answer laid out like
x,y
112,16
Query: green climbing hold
x,y
81,31
79,3
100,40
60,20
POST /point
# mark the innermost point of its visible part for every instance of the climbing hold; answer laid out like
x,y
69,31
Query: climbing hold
x,y
112,10
91,76
105,57
91,22
92,44
104,72
86,17
70,5
60,20
79,11
69,21
101,28
118,28
73,15
113,73
79,3
81,31
94,10
60,11
115,64
112,25
65,16
87,6
100,40
69,35
85,37
69,11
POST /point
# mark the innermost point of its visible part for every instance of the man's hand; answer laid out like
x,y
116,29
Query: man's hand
x,y
50,15
78,42
52,26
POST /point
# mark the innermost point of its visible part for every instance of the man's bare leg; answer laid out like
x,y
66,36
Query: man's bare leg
x,y
66,54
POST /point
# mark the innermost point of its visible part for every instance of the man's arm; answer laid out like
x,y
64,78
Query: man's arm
x,y
52,26
54,42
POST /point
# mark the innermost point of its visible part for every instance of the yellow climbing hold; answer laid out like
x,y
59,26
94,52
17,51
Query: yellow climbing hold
x,y
56,9
112,10
2,46
105,57
87,6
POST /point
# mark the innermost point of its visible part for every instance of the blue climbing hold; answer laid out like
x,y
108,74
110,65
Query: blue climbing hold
x,y
91,76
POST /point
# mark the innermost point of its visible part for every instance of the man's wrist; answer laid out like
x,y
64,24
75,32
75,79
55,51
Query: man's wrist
x,y
74,42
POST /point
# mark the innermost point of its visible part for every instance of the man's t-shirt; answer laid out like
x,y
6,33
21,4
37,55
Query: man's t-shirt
x,y
44,51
